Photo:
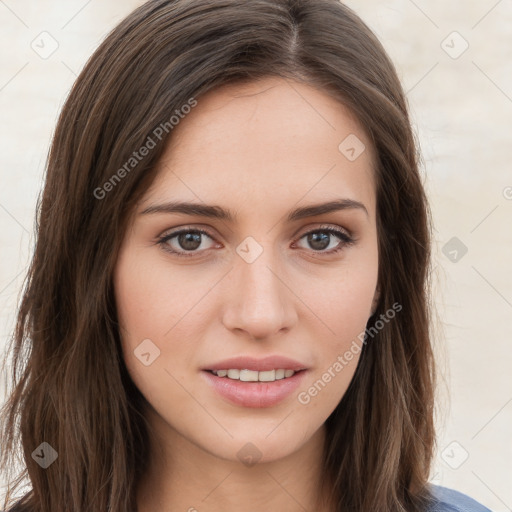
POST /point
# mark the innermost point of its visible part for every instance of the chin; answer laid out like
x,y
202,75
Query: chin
x,y
258,445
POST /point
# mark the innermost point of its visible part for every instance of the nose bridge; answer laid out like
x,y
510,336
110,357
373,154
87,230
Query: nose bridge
x,y
259,300
260,283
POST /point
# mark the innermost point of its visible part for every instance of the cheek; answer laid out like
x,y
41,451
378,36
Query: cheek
x,y
148,308
144,312
149,301
342,305
135,299
342,299
159,318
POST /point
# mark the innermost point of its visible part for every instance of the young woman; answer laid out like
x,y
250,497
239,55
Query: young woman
x,y
228,304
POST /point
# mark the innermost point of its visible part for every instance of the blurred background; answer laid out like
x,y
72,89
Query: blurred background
x,y
455,62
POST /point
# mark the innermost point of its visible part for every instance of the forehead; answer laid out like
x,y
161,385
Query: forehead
x,y
263,142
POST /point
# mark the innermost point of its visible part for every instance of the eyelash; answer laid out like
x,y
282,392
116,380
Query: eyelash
x,y
346,240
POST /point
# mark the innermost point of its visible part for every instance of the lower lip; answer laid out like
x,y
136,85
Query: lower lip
x,y
254,394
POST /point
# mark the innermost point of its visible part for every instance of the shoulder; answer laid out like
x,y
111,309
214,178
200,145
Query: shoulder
x,y
450,500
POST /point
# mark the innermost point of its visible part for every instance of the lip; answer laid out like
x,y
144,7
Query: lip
x,y
261,365
253,394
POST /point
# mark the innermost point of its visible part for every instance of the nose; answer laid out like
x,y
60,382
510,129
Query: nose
x,y
260,301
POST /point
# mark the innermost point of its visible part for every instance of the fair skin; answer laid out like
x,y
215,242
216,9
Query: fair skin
x,y
260,151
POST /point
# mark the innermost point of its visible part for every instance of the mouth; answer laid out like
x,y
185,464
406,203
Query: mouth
x,y
248,388
247,381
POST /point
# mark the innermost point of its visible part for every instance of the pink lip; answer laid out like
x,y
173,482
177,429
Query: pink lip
x,y
260,365
253,394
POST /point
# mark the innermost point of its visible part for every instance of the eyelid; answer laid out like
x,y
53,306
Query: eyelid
x,y
169,234
205,230
330,226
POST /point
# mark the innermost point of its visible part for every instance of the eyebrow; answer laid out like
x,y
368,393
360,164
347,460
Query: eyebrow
x,y
217,212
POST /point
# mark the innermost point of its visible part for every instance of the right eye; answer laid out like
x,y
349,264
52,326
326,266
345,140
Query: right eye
x,y
187,242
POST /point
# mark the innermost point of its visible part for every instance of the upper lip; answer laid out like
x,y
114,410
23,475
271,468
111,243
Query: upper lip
x,y
251,363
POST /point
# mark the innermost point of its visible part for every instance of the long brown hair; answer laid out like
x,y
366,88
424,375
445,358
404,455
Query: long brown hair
x,y
70,387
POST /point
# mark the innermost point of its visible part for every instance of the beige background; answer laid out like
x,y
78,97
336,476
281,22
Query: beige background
x,y
461,105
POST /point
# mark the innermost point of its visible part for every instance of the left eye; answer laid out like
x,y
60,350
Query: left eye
x,y
189,241
320,240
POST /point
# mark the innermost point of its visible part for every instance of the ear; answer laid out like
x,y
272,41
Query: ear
x,y
375,301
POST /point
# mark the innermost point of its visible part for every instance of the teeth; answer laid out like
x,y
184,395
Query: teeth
x,y
269,376
254,376
280,374
248,376
234,374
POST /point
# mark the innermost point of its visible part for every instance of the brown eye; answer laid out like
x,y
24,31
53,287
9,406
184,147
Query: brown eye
x,y
187,242
320,239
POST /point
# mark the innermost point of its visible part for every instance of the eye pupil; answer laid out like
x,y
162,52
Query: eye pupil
x,y
313,238
189,241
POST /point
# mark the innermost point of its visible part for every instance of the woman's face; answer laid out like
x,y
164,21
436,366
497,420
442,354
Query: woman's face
x,y
263,282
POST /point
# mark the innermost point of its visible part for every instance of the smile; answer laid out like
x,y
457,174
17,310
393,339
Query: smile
x,y
247,388
254,376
